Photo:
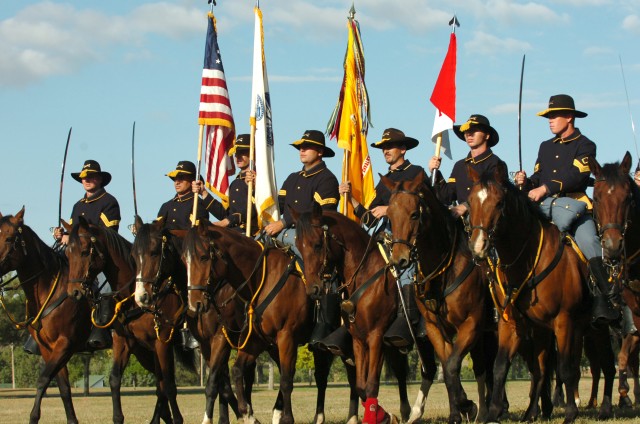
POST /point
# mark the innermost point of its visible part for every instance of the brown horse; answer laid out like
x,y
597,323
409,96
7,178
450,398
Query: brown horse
x,y
57,322
274,295
450,286
93,249
617,213
540,284
330,241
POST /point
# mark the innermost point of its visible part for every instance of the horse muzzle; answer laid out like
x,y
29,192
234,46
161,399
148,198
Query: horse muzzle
x,y
612,247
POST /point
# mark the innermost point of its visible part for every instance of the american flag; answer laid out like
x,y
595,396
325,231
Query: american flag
x,y
215,114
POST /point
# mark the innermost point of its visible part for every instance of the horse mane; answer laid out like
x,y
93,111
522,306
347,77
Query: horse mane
x,y
610,172
304,226
119,244
521,204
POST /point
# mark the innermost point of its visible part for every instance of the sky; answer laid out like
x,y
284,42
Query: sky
x,y
98,66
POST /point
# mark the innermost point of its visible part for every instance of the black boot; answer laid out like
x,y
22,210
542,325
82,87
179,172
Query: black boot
x,y
606,305
339,343
100,338
399,334
628,327
31,346
187,341
327,315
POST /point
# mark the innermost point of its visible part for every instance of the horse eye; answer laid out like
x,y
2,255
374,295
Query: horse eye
x,y
204,258
84,253
415,216
317,247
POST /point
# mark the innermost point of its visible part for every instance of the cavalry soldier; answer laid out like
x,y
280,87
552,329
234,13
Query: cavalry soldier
x,y
480,136
394,145
314,183
99,208
96,206
235,214
559,182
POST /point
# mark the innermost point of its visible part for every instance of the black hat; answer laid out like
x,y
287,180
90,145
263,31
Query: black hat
x,y
478,121
393,136
184,167
243,142
92,167
562,102
313,138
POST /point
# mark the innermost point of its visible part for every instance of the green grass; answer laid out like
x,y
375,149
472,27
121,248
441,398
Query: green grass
x,y
15,405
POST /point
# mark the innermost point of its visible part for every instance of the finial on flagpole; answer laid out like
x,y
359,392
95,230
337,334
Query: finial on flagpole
x,y
454,22
352,11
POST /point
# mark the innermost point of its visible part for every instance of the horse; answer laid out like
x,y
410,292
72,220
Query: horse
x,y
449,284
275,300
539,284
56,322
616,209
94,249
330,241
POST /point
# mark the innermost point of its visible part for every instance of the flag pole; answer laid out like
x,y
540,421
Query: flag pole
x,y
196,196
252,146
438,146
344,210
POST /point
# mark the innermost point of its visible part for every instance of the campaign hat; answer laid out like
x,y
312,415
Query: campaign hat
x,y
562,102
92,167
478,121
314,138
395,137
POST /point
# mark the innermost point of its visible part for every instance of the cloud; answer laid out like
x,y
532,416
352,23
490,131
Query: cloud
x,y
631,23
48,39
483,43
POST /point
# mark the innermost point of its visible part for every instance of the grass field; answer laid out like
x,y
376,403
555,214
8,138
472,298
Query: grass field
x,y
15,405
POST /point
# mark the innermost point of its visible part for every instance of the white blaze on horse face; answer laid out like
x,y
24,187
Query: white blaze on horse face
x,y
482,195
140,291
480,243
188,263
611,188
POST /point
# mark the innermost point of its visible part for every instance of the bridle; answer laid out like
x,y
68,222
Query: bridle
x,y
489,231
423,209
14,242
328,270
621,227
85,281
210,287
155,286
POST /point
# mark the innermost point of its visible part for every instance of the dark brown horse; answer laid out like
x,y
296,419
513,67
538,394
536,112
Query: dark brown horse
x,y
94,249
57,322
450,286
540,284
329,241
617,213
274,296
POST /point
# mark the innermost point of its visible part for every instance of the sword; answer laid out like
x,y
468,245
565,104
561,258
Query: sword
x,y
133,175
520,115
633,127
394,272
64,163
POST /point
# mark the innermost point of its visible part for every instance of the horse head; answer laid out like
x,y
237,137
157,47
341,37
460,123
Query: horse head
x,y
198,255
86,258
486,206
12,245
318,246
406,210
154,252
612,204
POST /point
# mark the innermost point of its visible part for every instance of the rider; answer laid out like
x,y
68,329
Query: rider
x,y
480,136
394,145
314,183
99,208
559,182
234,215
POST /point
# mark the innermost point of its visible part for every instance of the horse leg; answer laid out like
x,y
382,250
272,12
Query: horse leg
x,y
400,366
623,366
478,355
607,363
569,348
216,354
121,354
165,373
237,374
428,373
322,361
537,362
591,347
54,361
633,362
508,341
288,353
352,418
62,378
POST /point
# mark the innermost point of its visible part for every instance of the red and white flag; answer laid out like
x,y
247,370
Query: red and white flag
x,y
215,114
444,98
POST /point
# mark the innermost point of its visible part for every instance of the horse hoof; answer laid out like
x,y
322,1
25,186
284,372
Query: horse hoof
x,y
390,419
625,402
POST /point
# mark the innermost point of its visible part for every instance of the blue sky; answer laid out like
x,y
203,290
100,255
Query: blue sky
x,y
98,66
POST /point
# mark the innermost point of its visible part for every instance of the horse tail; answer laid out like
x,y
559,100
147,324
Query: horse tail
x,y
186,357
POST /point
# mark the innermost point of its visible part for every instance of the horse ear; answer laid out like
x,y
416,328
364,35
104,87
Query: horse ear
x,y
500,173
474,176
83,221
594,166
20,215
388,182
138,224
66,225
626,163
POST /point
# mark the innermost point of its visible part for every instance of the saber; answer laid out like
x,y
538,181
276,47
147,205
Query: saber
x,y
633,127
133,168
520,115
64,164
